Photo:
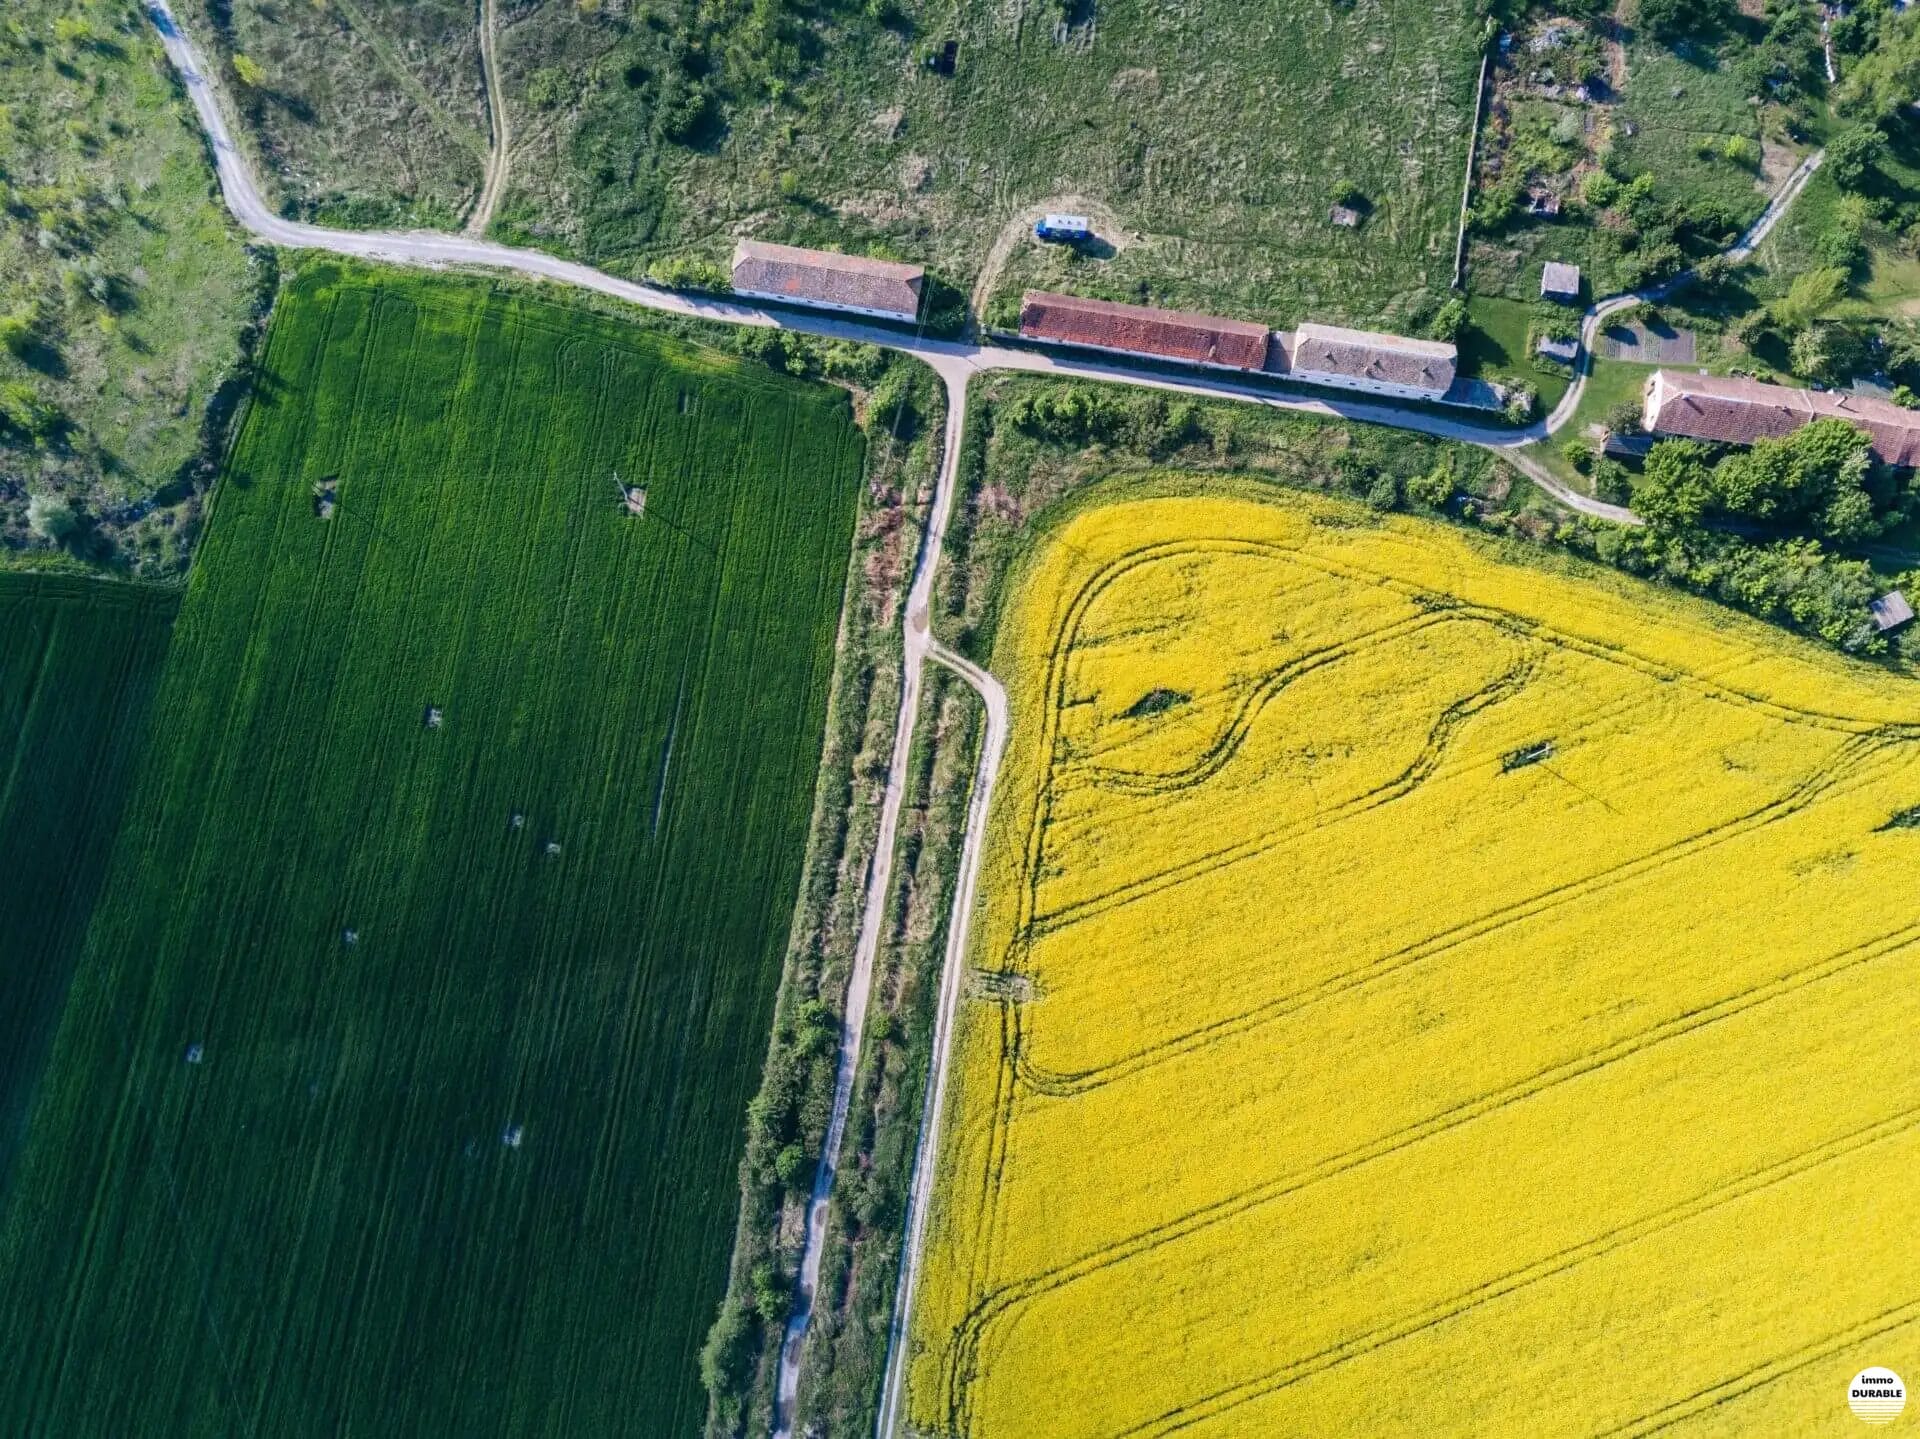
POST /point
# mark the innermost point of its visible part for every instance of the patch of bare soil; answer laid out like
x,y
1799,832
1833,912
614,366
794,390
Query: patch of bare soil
x,y
1777,161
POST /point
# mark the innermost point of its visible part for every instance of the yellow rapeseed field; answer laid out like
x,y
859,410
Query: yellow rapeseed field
x,y
1422,993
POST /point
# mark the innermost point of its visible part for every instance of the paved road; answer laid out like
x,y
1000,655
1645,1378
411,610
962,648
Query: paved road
x,y
955,362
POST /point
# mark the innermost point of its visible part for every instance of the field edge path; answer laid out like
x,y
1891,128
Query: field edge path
x,y
918,632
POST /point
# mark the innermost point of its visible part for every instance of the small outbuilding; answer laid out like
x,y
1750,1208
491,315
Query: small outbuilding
x,y
1344,216
1627,447
1890,611
1560,281
1565,351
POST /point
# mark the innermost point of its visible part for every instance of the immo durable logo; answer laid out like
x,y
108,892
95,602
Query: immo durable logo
x,y
1877,1395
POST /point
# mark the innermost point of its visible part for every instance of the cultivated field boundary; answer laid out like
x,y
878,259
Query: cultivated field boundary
x,y
955,362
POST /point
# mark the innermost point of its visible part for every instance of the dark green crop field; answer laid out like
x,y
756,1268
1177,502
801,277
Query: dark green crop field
x,y
400,1086
78,663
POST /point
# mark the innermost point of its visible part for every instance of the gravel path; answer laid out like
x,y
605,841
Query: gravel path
x,y
498,156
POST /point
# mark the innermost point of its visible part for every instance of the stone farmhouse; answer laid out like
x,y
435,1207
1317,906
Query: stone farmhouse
x,y
826,280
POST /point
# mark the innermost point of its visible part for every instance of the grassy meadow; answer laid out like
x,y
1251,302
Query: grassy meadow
x,y
124,291
400,1086
78,664
1392,956
1210,138
365,112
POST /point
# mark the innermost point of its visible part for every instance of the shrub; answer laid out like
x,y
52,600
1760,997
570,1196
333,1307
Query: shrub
x,y
1437,487
690,272
723,1358
1449,320
52,518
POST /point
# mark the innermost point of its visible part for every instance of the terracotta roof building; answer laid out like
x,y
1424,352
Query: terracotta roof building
x,y
1376,364
1735,411
828,280
1142,330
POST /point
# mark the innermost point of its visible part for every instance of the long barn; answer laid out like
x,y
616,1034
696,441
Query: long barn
x,y
1144,332
828,280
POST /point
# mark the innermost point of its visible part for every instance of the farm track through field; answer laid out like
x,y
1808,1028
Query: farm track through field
x,y
1888,1321
1217,753
1567,1260
1034,921
500,148
1838,767
954,363
992,1309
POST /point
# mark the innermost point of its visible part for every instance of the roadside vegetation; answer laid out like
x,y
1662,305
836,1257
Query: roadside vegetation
x,y
126,300
846,1352
901,407
456,879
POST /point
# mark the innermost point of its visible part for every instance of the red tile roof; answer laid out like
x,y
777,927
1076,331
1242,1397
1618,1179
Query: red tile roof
x,y
1735,411
1168,334
826,277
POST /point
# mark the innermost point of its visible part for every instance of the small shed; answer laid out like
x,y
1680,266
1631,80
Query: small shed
x,y
1565,351
1890,611
1344,216
1560,281
1627,447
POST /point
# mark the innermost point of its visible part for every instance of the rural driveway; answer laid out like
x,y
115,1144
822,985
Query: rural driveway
x,y
955,363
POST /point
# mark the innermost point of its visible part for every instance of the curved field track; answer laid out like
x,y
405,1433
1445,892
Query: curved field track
x,y
1422,957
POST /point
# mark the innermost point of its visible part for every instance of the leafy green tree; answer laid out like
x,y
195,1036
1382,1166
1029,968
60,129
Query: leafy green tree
x,y
1817,476
1854,155
1677,489
1887,80
1437,487
1810,296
